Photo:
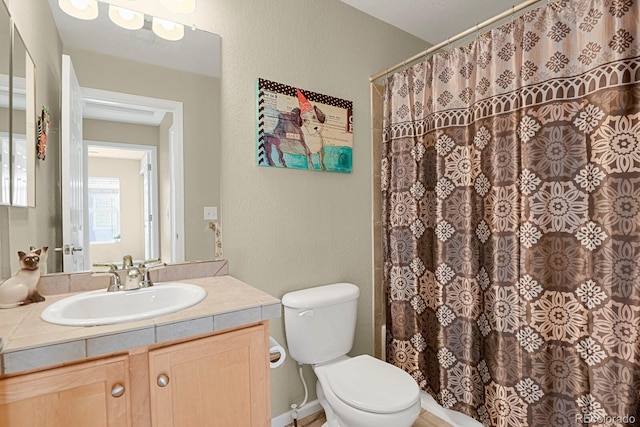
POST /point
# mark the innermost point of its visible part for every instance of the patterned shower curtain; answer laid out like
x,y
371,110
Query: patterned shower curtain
x,y
511,219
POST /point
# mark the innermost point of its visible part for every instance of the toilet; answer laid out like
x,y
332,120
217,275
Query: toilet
x,y
359,391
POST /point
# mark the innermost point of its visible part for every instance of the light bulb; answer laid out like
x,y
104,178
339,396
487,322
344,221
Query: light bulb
x,y
126,18
81,9
80,4
167,30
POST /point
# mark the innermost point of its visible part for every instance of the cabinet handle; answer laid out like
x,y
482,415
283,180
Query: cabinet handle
x,y
163,380
117,390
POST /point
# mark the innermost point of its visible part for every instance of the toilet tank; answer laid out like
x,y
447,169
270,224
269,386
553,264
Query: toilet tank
x,y
320,322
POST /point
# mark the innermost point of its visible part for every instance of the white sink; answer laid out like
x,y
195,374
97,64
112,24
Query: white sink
x,y
105,308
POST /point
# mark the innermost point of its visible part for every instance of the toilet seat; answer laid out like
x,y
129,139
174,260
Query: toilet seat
x,y
371,385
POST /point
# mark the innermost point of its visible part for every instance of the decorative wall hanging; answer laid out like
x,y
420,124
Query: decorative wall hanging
x,y
303,129
44,122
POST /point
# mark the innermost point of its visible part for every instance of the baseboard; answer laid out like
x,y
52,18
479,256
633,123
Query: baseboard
x,y
285,419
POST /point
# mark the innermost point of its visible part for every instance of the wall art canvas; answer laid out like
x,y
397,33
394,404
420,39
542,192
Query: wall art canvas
x,y
300,129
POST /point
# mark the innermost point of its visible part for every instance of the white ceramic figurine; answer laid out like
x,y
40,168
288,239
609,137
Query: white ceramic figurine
x,y
21,288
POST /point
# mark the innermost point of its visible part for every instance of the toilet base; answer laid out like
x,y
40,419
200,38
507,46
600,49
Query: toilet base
x,y
332,419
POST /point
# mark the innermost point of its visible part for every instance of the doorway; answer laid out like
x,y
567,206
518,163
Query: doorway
x,y
122,193
120,116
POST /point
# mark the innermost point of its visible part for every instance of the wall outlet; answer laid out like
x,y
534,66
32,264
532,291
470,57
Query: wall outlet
x,y
210,213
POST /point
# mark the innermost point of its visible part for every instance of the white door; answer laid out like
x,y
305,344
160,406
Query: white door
x,y
150,205
147,220
75,237
177,197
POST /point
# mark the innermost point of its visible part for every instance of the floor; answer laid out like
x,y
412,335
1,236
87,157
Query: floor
x,y
432,415
426,419
314,420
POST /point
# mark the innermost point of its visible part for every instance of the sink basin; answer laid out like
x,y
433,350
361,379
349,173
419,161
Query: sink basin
x,y
105,308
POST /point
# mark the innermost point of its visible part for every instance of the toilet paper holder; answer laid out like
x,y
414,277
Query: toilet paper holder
x,y
277,355
274,357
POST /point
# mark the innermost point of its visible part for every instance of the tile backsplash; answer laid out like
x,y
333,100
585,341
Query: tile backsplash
x,y
62,283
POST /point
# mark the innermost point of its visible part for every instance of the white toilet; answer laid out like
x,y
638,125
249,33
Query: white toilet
x,y
355,392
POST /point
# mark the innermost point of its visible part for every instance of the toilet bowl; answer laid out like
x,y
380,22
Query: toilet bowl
x,y
359,391
366,392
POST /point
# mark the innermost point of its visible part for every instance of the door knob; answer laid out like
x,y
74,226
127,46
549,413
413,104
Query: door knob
x,y
69,249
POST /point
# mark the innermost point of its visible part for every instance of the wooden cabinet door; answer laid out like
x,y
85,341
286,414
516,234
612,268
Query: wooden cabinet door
x,y
76,395
218,381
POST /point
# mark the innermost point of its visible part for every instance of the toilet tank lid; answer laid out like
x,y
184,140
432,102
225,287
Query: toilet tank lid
x,y
320,296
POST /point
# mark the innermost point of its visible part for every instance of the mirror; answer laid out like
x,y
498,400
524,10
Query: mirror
x,y
5,57
97,49
23,128
124,137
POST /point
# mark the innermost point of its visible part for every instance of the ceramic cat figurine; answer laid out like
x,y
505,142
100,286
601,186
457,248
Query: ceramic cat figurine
x,y
21,288
44,255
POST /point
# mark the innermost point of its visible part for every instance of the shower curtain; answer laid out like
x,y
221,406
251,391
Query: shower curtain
x,y
511,219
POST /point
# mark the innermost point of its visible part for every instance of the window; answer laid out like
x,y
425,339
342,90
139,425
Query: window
x,y
104,209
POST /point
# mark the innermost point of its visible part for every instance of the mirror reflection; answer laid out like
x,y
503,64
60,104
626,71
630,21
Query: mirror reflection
x,y
135,92
23,116
122,137
5,52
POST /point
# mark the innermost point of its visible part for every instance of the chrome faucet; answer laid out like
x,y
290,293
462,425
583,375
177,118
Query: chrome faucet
x,y
132,279
136,277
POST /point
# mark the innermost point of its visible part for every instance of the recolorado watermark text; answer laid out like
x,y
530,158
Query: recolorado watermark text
x,y
605,419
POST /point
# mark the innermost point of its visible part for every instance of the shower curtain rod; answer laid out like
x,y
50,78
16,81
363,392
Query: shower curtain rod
x,y
463,34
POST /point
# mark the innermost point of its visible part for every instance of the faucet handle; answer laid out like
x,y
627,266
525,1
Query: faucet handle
x,y
146,278
112,267
114,284
151,262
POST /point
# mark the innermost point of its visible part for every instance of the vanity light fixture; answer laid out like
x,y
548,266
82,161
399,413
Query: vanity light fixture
x,y
126,18
81,9
129,19
179,6
166,29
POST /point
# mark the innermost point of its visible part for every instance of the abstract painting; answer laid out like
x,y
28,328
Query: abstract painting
x,y
301,129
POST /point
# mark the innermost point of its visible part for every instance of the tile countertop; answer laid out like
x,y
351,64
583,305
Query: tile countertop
x,y
31,343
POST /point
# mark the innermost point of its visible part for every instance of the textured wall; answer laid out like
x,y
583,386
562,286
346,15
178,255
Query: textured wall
x,y
289,229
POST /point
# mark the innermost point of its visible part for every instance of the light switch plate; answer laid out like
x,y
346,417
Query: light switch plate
x,y
210,213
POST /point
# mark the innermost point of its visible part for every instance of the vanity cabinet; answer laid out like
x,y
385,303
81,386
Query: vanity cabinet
x,y
92,393
219,380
